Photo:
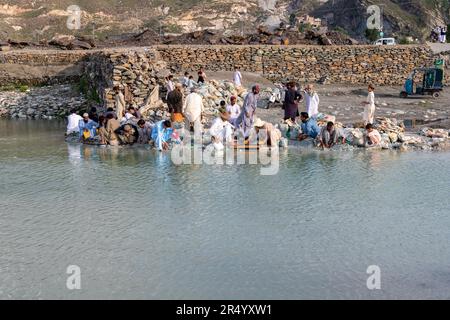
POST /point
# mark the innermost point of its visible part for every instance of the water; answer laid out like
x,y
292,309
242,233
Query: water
x,y
140,227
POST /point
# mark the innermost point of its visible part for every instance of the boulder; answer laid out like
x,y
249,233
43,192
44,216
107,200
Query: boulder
x,y
62,40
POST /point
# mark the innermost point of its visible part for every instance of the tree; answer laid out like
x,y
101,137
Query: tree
x,y
372,34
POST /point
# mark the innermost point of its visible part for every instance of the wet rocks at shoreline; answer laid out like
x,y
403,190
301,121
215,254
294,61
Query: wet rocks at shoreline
x,y
42,102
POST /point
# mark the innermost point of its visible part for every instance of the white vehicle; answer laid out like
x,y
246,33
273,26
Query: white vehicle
x,y
385,42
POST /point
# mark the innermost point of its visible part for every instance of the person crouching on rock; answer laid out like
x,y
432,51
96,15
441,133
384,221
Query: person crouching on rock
x,y
145,131
128,134
373,137
330,136
271,134
162,134
109,135
309,126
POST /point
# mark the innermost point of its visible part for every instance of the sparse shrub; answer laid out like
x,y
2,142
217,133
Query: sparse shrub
x,y
372,34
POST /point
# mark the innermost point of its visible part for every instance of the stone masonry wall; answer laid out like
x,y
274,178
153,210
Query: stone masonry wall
x,y
134,72
41,67
380,65
137,70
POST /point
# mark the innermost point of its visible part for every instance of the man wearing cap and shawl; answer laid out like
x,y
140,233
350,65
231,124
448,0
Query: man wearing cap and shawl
x,y
221,129
88,127
246,119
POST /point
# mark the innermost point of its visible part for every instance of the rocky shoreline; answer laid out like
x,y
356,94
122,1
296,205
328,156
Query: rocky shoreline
x,y
48,102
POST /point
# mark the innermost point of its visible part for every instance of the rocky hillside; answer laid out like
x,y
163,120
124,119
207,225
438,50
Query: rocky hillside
x,y
36,20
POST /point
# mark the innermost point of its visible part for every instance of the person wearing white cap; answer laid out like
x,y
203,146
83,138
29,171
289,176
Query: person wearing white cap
x,y
88,127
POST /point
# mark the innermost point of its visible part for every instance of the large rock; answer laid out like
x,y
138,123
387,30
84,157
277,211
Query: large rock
x,y
62,40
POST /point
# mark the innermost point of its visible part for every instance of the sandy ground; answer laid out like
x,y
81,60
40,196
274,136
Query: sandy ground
x,y
439,47
345,102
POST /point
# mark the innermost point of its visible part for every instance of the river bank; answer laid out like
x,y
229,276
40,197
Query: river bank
x,y
47,102
344,102
140,227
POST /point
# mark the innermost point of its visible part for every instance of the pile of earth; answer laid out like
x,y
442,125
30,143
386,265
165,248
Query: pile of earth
x,y
263,35
61,42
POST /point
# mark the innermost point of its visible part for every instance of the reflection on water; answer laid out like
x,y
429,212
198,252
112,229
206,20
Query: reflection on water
x,y
140,227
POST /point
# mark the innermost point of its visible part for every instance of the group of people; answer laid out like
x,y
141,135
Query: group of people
x,y
108,129
121,126
187,81
293,97
187,111
439,34
328,135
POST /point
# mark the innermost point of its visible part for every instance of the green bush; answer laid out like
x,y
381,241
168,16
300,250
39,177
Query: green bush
x,y
404,40
15,87
304,27
84,88
23,88
372,34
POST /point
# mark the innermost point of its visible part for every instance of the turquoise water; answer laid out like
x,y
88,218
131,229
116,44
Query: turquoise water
x,y
140,227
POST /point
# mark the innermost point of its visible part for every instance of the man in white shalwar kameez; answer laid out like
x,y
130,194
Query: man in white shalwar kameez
x,y
312,101
369,110
193,109
221,130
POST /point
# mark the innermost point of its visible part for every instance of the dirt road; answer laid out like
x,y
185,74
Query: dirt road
x,y
345,102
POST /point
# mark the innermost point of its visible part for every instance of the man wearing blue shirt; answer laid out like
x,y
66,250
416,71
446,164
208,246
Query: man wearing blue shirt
x,y
87,125
162,134
310,129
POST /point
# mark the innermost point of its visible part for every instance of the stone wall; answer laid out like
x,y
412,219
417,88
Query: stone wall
x,y
134,72
137,70
41,67
380,65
